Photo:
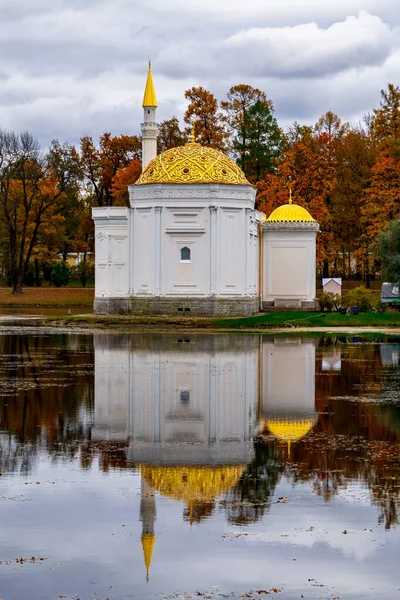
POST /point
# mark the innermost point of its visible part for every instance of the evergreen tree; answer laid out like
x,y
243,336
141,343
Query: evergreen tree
x,y
389,252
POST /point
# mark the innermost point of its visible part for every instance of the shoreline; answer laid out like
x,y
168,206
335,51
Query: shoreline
x,y
164,324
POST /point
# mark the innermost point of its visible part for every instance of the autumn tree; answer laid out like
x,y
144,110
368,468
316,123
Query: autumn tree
x,y
101,164
306,166
203,111
170,135
383,195
355,157
385,120
122,179
332,125
256,137
31,186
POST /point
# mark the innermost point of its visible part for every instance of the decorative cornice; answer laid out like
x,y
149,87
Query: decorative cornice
x,y
293,226
210,192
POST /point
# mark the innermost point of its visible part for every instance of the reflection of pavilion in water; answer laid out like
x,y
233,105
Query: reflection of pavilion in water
x,y
190,407
288,388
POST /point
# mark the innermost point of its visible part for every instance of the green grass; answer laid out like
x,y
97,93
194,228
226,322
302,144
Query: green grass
x,y
312,319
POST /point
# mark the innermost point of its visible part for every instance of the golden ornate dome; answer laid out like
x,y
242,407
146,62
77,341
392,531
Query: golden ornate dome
x,y
290,213
192,163
289,430
191,483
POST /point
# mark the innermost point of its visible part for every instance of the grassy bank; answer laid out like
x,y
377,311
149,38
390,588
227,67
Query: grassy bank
x,y
312,319
48,297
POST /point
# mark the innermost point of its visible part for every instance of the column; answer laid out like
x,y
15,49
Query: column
x,y
131,251
157,250
213,249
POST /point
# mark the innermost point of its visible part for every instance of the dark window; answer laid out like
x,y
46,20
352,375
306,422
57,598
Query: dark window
x,y
185,396
185,253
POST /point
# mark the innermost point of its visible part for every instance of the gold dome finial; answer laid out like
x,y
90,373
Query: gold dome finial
x,y
290,195
148,541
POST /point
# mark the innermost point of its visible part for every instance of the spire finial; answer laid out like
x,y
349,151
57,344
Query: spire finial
x,y
290,195
193,132
149,98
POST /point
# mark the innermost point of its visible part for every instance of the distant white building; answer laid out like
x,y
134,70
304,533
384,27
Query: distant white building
x,y
192,240
333,285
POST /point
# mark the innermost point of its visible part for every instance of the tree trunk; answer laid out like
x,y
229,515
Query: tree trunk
x,y
17,284
37,274
325,272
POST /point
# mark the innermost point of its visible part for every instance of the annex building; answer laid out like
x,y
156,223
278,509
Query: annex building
x,y
193,242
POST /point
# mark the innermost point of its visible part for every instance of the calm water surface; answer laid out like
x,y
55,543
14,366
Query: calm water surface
x,y
150,466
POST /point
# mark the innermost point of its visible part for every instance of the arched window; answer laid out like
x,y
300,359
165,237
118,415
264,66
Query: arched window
x,y
185,254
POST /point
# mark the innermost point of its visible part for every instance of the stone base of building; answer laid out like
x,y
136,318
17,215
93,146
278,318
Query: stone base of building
x,y
288,305
225,453
177,305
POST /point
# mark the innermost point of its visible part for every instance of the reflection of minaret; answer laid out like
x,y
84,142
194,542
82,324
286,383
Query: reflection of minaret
x,y
147,516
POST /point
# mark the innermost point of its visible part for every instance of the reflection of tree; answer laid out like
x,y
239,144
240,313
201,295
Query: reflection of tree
x,y
47,395
248,500
16,457
198,511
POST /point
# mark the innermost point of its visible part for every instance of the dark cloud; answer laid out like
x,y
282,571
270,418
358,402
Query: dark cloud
x,y
75,67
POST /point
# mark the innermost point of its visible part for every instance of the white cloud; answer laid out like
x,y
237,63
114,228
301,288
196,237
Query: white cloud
x,y
310,51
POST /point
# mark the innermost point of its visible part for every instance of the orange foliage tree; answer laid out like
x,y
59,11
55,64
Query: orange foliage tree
x,y
122,179
307,165
32,187
170,135
208,124
100,165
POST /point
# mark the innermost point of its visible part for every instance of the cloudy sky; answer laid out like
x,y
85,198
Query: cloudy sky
x,y
78,67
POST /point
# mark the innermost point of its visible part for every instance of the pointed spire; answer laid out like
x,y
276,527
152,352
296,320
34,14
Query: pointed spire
x,y
290,196
193,132
148,541
149,98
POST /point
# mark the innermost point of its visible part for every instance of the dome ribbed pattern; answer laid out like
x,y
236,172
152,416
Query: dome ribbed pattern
x,y
188,483
192,163
290,213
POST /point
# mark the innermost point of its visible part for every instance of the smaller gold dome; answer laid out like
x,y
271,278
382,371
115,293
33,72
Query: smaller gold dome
x,y
289,430
192,163
290,213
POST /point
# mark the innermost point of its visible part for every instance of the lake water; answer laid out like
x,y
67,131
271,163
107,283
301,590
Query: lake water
x,y
199,466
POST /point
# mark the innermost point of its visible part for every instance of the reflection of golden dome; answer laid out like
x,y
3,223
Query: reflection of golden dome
x,y
192,163
290,213
289,430
189,483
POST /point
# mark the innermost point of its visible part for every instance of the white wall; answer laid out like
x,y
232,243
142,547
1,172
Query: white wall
x,y
288,376
111,251
289,264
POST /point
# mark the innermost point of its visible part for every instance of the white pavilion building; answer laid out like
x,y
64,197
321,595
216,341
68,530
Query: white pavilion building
x,y
192,241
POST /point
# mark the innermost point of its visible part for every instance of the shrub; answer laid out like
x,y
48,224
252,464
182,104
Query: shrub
x,y
60,275
361,297
85,272
328,300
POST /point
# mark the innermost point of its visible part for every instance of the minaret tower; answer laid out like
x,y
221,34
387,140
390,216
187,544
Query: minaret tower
x,y
149,126
147,516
